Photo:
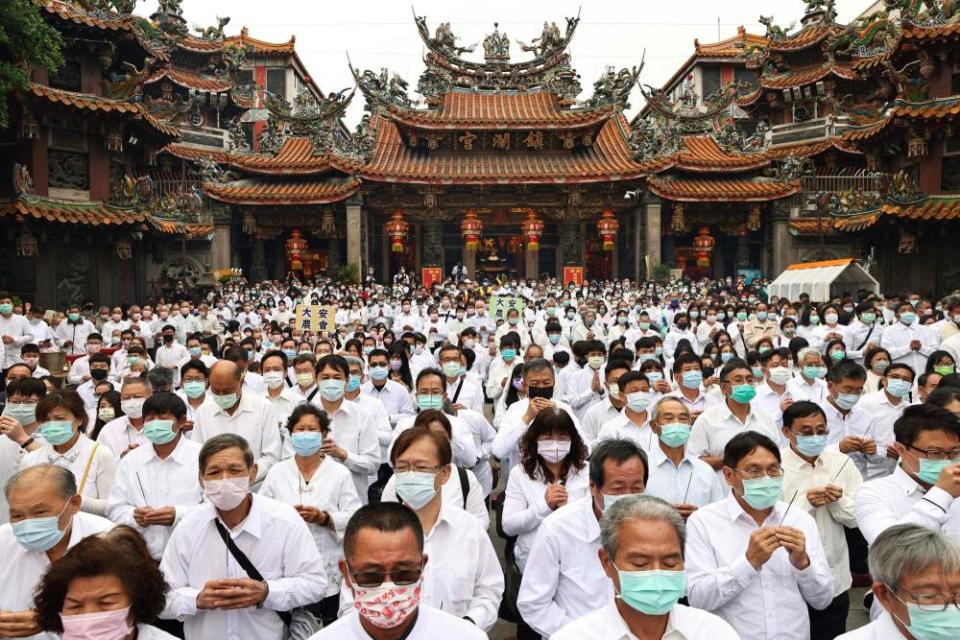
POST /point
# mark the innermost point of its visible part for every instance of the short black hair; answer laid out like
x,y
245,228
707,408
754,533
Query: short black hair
x,y
335,362
783,352
432,371
732,365
275,353
846,370
631,376
686,358
619,451
613,365
235,354
26,387
900,365
802,409
100,358
942,396
194,365
165,403
745,443
561,358
387,517
594,345
918,418
378,352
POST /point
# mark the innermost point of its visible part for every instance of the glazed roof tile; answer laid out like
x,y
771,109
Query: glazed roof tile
x,y
90,213
296,157
262,47
927,110
192,80
701,153
808,36
940,207
938,32
721,190
89,102
260,192
732,47
67,11
806,75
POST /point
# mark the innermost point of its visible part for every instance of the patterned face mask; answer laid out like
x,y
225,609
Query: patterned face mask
x,y
388,605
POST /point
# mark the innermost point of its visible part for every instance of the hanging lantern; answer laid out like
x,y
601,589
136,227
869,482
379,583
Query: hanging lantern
x,y
249,223
328,225
608,226
917,147
123,249
703,245
397,231
470,228
29,127
515,244
753,218
26,244
296,247
678,223
113,141
532,230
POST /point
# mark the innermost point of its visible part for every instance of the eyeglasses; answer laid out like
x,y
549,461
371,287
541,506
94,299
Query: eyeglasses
x,y
755,474
930,602
419,468
371,579
934,454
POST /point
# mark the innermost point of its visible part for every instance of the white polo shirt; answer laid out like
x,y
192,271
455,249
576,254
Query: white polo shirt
x,y
253,418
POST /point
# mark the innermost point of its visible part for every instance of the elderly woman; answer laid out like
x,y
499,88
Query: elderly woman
x,y
106,587
916,580
321,490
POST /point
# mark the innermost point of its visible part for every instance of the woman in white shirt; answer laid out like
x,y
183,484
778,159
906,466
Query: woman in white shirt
x,y
875,362
321,490
552,472
63,422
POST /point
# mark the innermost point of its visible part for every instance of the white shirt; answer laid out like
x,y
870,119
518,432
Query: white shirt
x,y
883,628
144,480
76,334
506,444
799,476
899,499
352,429
623,428
885,414
463,445
799,390
253,418
525,505
564,579
331,490
21,570
596,416
692,482
716,426
394,397
18,328
767,401
683,623
897,338
431,624
84,458
499,371
172,356
471,393
118,434
860,422
40,331
277,542
761,605
283,406
579,393
463,576
452,494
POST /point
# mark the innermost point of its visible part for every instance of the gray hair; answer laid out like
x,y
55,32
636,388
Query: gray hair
x,y
655,412
642,507
160,377
62,479
354,361
222,442
908,549
536,364
806,351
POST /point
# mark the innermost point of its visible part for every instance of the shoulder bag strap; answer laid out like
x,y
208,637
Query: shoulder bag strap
x,y
457,394
867,339
86,469
464,485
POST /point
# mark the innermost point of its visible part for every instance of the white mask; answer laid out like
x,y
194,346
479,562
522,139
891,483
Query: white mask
x,y
553,451
133,407
226,494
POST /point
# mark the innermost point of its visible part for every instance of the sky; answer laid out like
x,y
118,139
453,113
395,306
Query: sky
x,y
380,33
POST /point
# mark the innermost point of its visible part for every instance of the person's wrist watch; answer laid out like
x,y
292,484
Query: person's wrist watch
x,y
26,443
265,594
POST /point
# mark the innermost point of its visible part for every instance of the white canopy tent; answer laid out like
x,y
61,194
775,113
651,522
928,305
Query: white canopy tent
x,y
822,280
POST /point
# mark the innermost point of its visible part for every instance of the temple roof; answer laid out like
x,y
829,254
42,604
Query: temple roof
x,y
810,35
702,153
94,213
496,111
721,189
806,75
733,47
297,156
253,45
191,80
72,13
915,32
262,192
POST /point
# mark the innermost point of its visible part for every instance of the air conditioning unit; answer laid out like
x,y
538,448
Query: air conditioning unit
x,y
787,96
801,113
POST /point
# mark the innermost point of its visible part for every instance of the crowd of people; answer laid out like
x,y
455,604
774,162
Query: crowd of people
x,y
659,460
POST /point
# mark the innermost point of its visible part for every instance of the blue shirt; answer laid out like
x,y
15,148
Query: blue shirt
x,y
669,482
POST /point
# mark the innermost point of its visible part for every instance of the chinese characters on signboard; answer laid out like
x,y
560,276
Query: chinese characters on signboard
x,y
499,305
315,318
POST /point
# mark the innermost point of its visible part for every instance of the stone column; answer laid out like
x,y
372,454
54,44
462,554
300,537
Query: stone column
x,y
638,264
572,241
532,264
782,240
258,261
470,261
653,230
432,255
354,232
220,245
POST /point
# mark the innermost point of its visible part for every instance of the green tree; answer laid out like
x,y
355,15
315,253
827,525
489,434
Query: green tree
x,y
25,39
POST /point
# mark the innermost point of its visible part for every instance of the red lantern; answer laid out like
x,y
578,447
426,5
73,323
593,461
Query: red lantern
x,y
703,245
532,230
397,231
296,247
470,228
608,226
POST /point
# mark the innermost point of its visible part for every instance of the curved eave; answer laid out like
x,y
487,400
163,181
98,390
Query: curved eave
x,y
807,37
265,164
191,81
86,102
807,76
702,154
255,192
810,149
70,13
916,33
429,120
720,190
928,110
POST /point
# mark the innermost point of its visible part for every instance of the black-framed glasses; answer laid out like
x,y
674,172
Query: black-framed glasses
x,y
936,454
928,601
400,577
755,474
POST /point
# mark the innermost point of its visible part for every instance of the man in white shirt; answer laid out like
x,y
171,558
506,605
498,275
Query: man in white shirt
x,y
924,486
43,495
171,354
676,475
125,433
71,334
40,330
407,320
210,591
156,486
641,534
501,367
885,406
916,580
384,551
80,368
562,579
772,395
820,481
460,388
851,427
907,340
717,425
633,423
234,411
688,378
863,333
611,406
585,388
14,331
393,395
751,559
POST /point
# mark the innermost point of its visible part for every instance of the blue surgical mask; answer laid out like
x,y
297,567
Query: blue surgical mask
x,y
427,401
762,316
57,432
226,400
814,372
39,534
638,401
22,413
331,390
811,446
353,383
651,592
931,625
194,389
654,376
930,470
762,493
379,373
159,431
554,338
306,443
898,388
675,434
290,353
609,501
847,401
726,356
908,318
509,354
743,393
194,352
692,379
416,488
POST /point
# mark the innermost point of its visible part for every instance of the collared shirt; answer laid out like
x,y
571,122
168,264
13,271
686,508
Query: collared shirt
x,y
499,371
463,576
767,401
452,495
330,490
18,328
525,505
277,542
463,445
799,476
692,482
379,417
761,605
883,628
858,336
623,428
283,406
119,434
899,499
579,393
394,397
84,458
470,393
684,623
253,418
701,403
860,422
564,579
897,338
799,389
21,570
598,415
76,334
431,624
145,480
717,425
352,429
885,414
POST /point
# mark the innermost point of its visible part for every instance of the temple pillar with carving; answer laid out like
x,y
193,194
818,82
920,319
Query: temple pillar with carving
x,y
782,240
220,257
432,251
572,242
258,261
639,270
354,234
653,230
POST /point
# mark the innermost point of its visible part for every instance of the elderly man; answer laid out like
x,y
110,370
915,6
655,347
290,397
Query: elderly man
x,y
809,384
126,432
562,579
244,414
916,579
238,563
383,567
642,554
45,521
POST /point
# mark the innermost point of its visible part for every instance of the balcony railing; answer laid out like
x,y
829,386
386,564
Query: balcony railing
x,y
808,130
